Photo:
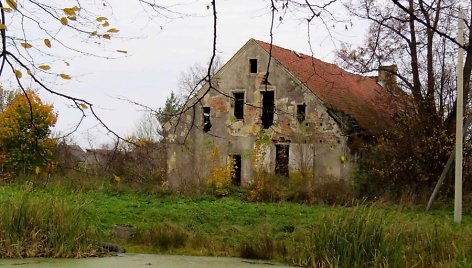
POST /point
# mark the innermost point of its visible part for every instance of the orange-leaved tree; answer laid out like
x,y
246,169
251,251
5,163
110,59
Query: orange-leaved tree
x,y
25,135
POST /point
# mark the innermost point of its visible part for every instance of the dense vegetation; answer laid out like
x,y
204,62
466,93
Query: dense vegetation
x,y
60,221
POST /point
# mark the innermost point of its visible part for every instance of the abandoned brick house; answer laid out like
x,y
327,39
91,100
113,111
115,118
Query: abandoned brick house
x,y
313,112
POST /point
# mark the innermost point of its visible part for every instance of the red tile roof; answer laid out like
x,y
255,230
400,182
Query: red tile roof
x,y
358,96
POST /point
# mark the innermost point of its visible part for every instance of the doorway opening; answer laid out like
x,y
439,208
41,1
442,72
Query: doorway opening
x,y
237,169
281,159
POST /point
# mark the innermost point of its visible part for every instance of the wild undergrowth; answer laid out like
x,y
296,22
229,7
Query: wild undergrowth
x,y
62,222
34,224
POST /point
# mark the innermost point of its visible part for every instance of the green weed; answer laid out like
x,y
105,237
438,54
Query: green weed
x,y
45,226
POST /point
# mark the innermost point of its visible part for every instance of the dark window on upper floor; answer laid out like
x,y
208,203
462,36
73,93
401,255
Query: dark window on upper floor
x,y
253,66
206,119
239,105
267,109
301,112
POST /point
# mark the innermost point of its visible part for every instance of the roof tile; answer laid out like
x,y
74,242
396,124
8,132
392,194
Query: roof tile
x,y
358,96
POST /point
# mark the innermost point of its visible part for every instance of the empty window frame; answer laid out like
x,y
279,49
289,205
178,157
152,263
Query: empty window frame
x,y
267,109
206,119
282,159
253,66
237,169
301,112
238,105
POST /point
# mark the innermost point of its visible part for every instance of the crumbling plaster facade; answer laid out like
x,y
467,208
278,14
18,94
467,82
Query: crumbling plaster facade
x,y
317,137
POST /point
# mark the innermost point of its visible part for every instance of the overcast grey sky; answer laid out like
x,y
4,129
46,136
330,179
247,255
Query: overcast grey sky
x,y
160,49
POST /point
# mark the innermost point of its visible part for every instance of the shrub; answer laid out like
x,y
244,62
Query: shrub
x,y
334,192
221,176
266,187
410,156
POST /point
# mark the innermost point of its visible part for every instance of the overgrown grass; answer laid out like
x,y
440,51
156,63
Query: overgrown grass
x,y
312,236
372,237
35,224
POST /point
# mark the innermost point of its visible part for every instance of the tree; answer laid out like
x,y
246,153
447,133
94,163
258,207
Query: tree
x,y
6,97
416,37
195,76
427,69
171,107
151,126
35,41
147,128
26,144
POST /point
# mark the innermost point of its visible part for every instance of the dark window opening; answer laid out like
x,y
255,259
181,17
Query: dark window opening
x,y
206,119
237,169
301,112
239,105
253,66
267,108
281,159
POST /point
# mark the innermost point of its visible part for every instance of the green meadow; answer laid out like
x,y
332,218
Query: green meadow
x,y
56,221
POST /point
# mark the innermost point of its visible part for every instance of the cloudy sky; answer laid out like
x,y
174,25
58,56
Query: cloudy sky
x,y
160,48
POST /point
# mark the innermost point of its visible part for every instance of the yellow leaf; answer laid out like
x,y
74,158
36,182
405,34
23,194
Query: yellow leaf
x,y
101,18
64,21
65,76
122,51
106,36
74,18
47,42
18,73
106,24
117,178
26,45
76,8
69,11
44,67
93,33
12,3
84,106
3,26
28,72
7,9
113,30
37,170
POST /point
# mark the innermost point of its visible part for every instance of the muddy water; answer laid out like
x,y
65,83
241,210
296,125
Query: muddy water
x,y
139,260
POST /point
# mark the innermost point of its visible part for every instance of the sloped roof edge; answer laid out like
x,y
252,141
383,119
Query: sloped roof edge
x,y
358,96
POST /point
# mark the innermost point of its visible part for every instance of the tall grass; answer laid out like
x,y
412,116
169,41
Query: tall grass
x,y
163,237
370,237
57,222
35,225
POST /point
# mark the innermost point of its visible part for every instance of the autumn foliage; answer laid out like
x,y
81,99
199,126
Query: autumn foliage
x,y
25,130
408,158
221,175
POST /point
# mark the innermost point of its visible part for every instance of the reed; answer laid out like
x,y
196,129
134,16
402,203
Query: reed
x,y
45,226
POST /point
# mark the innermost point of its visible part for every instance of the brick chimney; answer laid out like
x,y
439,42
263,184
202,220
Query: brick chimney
x,y
386,77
